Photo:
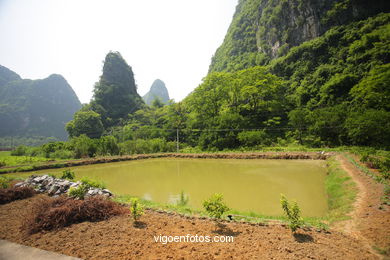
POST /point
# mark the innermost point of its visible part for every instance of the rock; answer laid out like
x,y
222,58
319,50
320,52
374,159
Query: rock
x,y
56,187
19,184
53,189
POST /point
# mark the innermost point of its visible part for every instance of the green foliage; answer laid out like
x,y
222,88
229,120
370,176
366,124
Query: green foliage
x,y
92,183
115,95
87,123
108,145
141,146
136,209
83,146
5,181
19,151
292,212
78,192
369,127
83,188
183,199
253,138
341,191
215,206
68,174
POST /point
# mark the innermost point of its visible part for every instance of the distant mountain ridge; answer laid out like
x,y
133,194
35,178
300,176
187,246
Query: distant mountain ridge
x,y
157,90
35,107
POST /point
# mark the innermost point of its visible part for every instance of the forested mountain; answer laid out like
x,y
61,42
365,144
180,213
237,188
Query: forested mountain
x,y
115,98
158,90
265,29
332,88
35,107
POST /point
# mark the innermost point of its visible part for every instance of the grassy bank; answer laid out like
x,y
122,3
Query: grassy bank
x,y
232,155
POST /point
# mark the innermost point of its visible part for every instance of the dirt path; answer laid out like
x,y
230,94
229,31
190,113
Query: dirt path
x,y
370,220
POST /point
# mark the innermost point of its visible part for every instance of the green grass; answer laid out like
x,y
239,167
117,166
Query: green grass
x,y
10,160
341,192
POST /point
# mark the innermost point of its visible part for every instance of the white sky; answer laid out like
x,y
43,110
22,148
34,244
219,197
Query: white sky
x,y
172,40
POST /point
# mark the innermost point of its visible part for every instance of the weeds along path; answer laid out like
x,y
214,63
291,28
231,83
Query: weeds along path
x,y
370,220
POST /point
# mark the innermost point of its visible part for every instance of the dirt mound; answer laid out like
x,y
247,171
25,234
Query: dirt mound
x,y
53,213
11,194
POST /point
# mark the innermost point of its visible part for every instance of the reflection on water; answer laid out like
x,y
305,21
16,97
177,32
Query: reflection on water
x,y
247,185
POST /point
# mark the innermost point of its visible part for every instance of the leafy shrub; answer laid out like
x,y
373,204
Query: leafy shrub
x,y
93,183
11,194
3,163
83,146
107,145
68,175
79,192
4,182
292,212
215,206
136,209
252,138
55,213
19,151
62,154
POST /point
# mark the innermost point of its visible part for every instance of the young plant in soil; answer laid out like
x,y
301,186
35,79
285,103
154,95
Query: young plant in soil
x,y
292,212
215,206
136,209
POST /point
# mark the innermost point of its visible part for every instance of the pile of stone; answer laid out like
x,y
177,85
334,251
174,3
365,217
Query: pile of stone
x,y
56,187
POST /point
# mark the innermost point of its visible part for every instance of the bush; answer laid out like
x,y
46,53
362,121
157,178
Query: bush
x,y
252,138
292,212
215,206
92,183
83,146
107,145
68,175
19,151
136,209
3,163
62,154
55,213
11,194
79,192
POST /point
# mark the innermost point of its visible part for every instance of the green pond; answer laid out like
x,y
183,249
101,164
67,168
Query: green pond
x,y
247,185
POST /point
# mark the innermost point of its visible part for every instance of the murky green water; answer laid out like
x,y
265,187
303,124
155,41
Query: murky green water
x,y
247,185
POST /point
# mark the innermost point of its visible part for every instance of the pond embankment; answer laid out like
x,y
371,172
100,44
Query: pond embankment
x,y
266,155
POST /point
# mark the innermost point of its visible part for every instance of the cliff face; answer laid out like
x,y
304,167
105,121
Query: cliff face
x,y
262,30
35,107
159,91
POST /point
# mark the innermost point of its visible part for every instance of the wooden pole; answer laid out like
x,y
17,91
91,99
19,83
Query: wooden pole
x,y
177,140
